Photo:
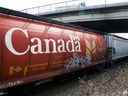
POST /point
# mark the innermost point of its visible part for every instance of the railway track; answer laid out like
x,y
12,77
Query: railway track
x,y
112,81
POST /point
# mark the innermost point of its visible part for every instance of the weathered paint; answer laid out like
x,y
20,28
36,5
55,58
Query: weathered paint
x,y
32,50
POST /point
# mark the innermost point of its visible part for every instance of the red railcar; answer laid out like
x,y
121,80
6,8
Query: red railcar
x,y
32,48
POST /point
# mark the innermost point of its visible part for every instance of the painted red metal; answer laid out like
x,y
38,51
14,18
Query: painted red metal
x,y
31,50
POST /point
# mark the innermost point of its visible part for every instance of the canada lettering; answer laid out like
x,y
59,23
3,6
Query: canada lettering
x,y
57,46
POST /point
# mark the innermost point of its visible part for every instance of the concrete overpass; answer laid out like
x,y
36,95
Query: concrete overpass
x,y
109,13
105,16
111,19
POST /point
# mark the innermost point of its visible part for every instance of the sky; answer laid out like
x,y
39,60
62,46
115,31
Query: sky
x,y
124,35
23,4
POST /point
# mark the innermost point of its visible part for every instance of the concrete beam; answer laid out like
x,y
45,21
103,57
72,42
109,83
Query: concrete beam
x,y
117,14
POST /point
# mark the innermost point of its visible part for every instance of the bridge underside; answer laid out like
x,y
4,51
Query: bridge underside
x,y
109,26
111,20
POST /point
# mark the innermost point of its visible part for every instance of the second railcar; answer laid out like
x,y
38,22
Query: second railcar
x,y
119,46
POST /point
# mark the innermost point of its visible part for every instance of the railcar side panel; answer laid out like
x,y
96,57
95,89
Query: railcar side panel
x,y
33,50
119,47
39,61
95,48
56,60
11,62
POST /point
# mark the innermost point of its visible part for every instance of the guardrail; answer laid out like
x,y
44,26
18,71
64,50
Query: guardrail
x,y
73,5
